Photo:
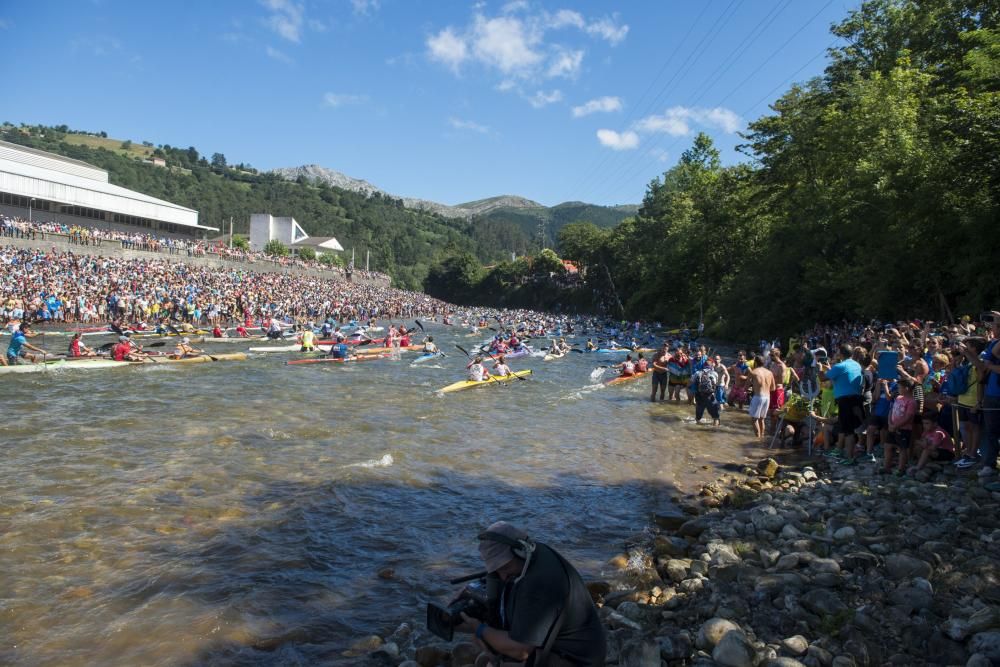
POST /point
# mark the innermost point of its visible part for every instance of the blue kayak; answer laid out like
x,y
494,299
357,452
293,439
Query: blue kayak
x,y
426,356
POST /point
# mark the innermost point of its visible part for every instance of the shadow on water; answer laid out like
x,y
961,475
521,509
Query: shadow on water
x,y
293,577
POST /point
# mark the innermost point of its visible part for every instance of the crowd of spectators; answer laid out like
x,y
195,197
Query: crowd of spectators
x,y
19,228
67,287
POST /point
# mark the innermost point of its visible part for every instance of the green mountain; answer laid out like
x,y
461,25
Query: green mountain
x,y
528,219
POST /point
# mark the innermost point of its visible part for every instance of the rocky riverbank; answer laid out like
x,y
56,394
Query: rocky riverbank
x,y
785,567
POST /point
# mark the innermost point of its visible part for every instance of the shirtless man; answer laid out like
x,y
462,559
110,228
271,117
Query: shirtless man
x,y
762,384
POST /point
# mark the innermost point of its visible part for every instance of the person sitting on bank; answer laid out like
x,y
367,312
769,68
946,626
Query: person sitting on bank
x,y
548,616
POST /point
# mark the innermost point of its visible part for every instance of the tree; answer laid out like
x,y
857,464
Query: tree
x,y
454,278
306,253
127,144
547,262
241,242
218,161
275,248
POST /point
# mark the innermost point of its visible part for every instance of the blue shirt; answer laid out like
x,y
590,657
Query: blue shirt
x,y
16,341
847,378
989,355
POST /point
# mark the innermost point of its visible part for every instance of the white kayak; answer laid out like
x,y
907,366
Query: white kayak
x,y
288,348
64,364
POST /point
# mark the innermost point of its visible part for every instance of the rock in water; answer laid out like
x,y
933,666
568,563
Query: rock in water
x,y
363,646
768,468
712,631
734,650
987,643
796,645
901,566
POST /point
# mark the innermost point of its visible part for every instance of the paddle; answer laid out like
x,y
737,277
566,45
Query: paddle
x,y
421,326
488,355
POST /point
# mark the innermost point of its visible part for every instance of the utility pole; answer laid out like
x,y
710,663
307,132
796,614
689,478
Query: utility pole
x,y
541,234
230,232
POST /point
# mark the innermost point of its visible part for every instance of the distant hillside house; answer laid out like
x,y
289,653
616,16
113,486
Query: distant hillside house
x,y
43,186
264,228
157,161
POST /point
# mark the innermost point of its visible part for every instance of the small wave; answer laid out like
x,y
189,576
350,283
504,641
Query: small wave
x,y
383,462
597,373
583,391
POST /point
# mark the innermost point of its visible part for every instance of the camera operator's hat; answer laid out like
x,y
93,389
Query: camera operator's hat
x,y
494,553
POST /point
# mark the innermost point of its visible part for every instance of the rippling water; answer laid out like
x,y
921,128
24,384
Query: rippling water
x,y
238,513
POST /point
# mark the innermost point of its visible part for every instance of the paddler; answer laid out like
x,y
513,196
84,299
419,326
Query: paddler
x,y
429,346
308,340
476,371
274,330
500,368
591,346
338,351
217,332
241,331
627,367
184,349
19,343
78,349
124,351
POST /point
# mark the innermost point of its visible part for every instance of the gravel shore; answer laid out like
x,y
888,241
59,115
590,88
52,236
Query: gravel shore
x,y
817,565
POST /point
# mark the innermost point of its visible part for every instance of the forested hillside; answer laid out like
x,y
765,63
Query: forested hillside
x,y
403,242
555,218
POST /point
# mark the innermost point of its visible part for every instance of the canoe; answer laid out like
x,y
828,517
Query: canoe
x,y
620,379
63,364
427,356
523,352
328,360
234,339
202,359
294,347
469,384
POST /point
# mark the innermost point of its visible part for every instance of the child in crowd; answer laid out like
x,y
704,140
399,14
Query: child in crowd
x,y
904,407
934,444
878,422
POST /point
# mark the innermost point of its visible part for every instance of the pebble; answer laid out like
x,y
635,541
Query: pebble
x,y
796,645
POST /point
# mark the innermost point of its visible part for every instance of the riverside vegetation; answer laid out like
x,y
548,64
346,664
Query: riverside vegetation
x,y
782,567
871,191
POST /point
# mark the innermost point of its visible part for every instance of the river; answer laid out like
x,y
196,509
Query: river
x,y
240,513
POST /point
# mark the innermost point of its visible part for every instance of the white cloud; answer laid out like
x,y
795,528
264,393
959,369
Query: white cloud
x,y
365,6
505,43
515,6
567,18
598,105
286,18
542,99
677,121
566,64
506,85
448,48
336,100
460,124
275,54
608,29
624,141
516,43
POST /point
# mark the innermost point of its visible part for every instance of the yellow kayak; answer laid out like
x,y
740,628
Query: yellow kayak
x,y
469,384
204,358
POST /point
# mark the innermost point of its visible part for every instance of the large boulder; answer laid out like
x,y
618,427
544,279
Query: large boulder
x,y
901,566
734,650
712,631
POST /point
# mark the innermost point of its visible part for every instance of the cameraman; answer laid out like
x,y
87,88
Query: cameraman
x,y
547,617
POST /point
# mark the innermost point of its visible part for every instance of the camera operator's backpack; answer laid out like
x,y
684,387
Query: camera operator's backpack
x,y
707,382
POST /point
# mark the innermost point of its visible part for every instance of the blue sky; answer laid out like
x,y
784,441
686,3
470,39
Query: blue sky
x,y
447,101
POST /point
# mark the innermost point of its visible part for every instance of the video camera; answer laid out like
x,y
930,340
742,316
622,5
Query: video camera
x,y
479,599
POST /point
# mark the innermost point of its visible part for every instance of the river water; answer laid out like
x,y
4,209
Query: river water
x,y
239,513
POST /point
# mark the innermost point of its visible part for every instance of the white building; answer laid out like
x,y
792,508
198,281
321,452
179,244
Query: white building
x,y
264,227
44,186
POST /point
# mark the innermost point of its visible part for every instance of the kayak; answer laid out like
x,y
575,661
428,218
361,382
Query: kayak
x,y
234,339
620,379
328,360
523,352
295,347
469,384
63,364
426,356
201,359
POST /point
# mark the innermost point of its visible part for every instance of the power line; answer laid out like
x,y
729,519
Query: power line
x,y
759,29
642,166
595,170
727,15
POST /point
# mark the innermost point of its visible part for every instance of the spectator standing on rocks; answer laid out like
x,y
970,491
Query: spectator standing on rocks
x,y
762,384
988,369
848,384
